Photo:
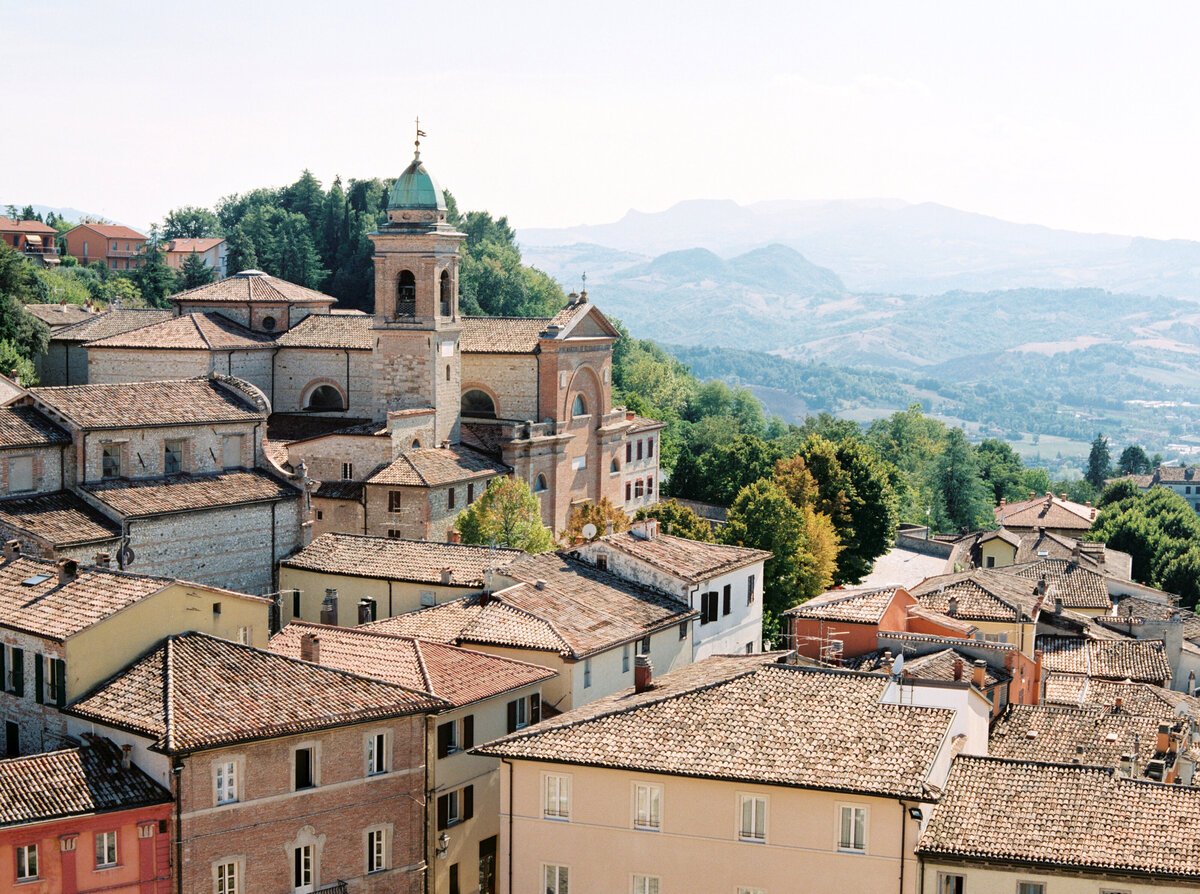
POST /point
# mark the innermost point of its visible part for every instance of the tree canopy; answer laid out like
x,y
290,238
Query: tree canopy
x,y
506,514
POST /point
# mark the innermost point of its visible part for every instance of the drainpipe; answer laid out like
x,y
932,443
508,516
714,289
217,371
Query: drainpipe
x,y
510,822
176,770
903,829
347,380
274,568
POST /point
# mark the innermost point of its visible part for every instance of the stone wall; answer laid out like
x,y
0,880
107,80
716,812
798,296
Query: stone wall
x,y
142,449
510,379
64,363
116,365
48,466
298,371
42,727
325,456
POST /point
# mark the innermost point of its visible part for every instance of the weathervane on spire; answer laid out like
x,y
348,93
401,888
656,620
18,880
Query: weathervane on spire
x,y
417,142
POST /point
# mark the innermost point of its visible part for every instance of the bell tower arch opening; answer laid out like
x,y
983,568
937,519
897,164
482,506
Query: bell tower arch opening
x,y
445,289
406,294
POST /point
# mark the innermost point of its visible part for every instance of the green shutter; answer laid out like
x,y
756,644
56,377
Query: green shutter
x,y
18,671
60,682
38,677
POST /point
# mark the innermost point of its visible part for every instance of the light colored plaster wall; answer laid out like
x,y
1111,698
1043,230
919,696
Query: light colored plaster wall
x,y
742,626
510,379
392,597
698,847
668,651
982,880
300,370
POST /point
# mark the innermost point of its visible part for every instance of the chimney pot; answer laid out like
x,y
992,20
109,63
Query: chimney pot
x,y
629,414
887,662
1163,745
455,536
1003,502
1063,496
540,584
952,606
103,560
608,527
958,668
978,675
310,648
68,570
1058,606
126,751
446,575
643,673
329,607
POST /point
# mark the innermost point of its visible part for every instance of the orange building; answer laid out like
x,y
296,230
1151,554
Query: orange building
x,y
116,246
31,238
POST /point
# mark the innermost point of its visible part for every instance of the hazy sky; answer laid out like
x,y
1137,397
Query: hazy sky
x,y
1077,115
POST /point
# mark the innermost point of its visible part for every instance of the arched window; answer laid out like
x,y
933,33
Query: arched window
x,y
416,444
406,294
579,408
613,467
445,292
478,404
268,323
323,399
539,484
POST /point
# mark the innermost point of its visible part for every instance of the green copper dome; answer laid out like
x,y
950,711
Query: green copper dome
x,y
416,189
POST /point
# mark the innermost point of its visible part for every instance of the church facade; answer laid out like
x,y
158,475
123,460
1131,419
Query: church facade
x,y
401,417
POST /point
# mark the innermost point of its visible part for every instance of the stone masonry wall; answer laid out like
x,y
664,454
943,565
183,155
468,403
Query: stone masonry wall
x,y
300,370
510,379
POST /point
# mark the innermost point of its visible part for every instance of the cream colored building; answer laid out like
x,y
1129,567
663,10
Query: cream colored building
x,y
737,774
1004,608
487,697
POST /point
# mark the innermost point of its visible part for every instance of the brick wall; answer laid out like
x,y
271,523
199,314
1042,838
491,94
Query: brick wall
x,y
115,365
324,457
424,513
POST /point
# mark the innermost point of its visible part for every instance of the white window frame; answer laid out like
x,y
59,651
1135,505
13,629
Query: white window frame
x,y
647,806
758,817
854,846
556,797
556,877
304,877
226,777
227,876
314,767
625,658
645,884
23,854
377,841
378,762
744,890
106,841
522,712
1034,887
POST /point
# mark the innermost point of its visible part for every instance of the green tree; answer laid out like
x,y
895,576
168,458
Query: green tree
x,y
507,514
1099,464
154,279
963,499
600,513
13,361
195,272
677,520
1134,461
18,287
240,253
190,222
1001,469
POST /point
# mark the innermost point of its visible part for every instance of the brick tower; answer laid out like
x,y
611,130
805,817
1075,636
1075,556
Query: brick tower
x,y
416,360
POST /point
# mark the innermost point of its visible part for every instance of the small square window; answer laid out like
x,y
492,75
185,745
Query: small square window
x,y
305,769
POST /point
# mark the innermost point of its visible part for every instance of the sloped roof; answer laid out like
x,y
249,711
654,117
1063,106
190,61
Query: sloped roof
x,y
170,402
1074,817
134,497
1078,587
934,666
1137,610
58,315
112,231
111,322
1046,512
189,332
434,466
198,245
690,560
1174,474
253,286
501,335
1078,690
770,724
339,331
1057,733
459,676
644,423
195,691
1142,661
26,426
472,621
983,595
854,605
72,782
408,560
60,518
8,225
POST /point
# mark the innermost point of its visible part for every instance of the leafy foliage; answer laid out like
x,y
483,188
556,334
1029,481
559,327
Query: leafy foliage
x,y
601,514
189,222
194,272
677,520
1099,464
507,514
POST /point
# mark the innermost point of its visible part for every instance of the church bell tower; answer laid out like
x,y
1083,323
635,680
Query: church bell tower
x,y
416,360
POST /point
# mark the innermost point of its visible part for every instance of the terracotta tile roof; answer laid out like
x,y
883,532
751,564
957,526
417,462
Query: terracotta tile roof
x,y
487,437
290,427
501,335
1045,512
1074,817
772,724
340,331
644,423
136,497
854,605
1056,733
72,782
253,286
1174,474
112,231
195,691
1138,610
190,332
172,402
1142,661
27,426
434,466
690,560
58,315
1078,587
186,246
61,519
459,676
1147,699
337,490
408,560
58,611
934,666
110,322
578,611
8,225
983,595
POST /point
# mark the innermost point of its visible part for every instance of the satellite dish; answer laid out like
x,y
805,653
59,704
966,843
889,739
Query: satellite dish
x,y
589,531
898,664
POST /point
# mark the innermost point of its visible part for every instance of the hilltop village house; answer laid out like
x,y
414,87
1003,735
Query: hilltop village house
x,y
404,415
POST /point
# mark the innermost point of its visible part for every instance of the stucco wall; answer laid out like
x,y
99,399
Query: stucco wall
x,y
982,880
392,597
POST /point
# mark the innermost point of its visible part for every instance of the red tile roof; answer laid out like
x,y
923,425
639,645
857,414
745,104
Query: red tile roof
x,y
690,560
58,316
134,498
253,286
1142,661
501,335
110,322
110,231
170,402
435,466
8,225
1045,512
196,245
190,332
60,519
860,606
337,331
408,560
25,426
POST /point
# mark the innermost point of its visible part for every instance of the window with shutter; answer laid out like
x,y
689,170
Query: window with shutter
x,y
468,802
750,590
447,738
535,708
468,732
726,600
39,677
59,667
18,671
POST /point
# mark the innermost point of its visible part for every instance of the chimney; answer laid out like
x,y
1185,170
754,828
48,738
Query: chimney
x,y
608,528
1003,502
1078,755
952,606
629,414
1191,690
1063,496
455,536
103,560
1037,676
1163,744
12,549
540,584
1092,516
329,612
958,669
125,752
68,570
310,648
446,575
886,662
978,676
646,529
1117,704
1032,495
366,611
445,445
643,673
1058,605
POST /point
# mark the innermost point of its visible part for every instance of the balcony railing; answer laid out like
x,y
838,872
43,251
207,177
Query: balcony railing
x,y
40,250
335,888
113,253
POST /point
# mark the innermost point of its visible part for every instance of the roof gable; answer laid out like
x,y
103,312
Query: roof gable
x,y
408,560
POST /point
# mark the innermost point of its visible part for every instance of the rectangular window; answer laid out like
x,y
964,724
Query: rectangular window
x,y
470,493
650,486
347,471
741,890
110,461
376,850
27,864
377,754
20,474
1031,888
518,715
709,604
645,884
454,887
726,600
302,867
579,463
990,562
754,818
13,660
428,597
625,658
450,498
602,562
750,590
629,451
683,629
231,452
557,801
949,883
628,491
227,878
555,878
456,807
305,769
245,636
172,457
647,809
106,849
393,501
395,534
447,739
226,782
644,646
638,489
639,449
852,834
587,673
649,448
